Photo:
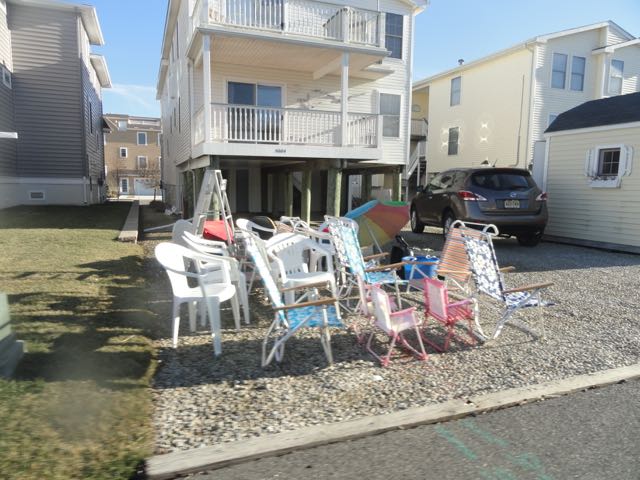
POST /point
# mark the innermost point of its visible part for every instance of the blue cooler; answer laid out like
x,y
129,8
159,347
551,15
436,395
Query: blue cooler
x,y
418,272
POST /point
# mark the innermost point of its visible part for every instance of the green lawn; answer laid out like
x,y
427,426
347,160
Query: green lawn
x,y
79,406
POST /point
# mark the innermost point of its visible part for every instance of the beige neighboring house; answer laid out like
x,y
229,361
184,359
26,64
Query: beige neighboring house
x,y
495,109
132,155
51,96
591,173
290,98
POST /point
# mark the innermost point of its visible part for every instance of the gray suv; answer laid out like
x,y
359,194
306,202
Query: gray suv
x,y
505,197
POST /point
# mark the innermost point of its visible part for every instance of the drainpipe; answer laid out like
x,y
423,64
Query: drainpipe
x,y
84,190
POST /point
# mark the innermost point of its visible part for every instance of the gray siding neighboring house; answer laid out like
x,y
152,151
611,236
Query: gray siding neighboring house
x,y
57,104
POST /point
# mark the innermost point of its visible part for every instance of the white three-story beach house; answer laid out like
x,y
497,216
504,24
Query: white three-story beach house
x,y
287,97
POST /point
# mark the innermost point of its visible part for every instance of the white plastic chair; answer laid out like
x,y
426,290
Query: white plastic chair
x,y
290,253
248,225
175,258
238,277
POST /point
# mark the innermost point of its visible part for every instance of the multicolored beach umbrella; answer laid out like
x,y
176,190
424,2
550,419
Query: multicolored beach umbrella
x,y
379,221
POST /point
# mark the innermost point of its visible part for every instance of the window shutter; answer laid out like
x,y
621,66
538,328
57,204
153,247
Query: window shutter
x,y
591,163
626,160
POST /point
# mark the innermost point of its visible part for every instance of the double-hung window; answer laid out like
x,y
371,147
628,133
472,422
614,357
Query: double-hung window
x,y
559,72
608,162
615,77
142,138
577,73
456,84
452,144
393,34
123,152
142,162
390,111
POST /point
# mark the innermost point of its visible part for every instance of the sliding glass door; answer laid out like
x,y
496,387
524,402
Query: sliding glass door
x,y
254,113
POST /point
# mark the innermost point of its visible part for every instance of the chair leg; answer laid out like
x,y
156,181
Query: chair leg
x,y
213,306
235,306
203,313
176,322
192,315
244,297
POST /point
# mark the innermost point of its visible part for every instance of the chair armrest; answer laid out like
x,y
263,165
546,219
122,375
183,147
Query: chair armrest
x,y
410,262
300,287
536,286
321,301
457,272
374,256
508,269
402,312
460,303
184,274
391,266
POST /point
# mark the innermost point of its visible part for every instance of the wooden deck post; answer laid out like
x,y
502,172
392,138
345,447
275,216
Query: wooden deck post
x,y
334,190
365,188
396,185
305,213
288,194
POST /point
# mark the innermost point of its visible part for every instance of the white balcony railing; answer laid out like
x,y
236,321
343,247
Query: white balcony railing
x,y
298,17
419,127
251,124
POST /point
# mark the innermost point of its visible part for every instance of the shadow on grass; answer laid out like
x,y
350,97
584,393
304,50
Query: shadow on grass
x,y
105,338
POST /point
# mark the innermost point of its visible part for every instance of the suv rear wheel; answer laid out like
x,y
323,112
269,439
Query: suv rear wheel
x,y
447,220
416,225
530,239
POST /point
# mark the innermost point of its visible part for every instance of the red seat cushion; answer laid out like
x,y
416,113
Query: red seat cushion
x,y
214,230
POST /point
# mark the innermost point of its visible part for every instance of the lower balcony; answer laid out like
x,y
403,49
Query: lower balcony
x,y
246,130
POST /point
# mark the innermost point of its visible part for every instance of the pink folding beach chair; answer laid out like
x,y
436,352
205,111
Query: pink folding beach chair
x,y
393,324
437,305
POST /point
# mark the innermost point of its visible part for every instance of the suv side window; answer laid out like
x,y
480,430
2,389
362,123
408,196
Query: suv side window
x,y
447,180
435,183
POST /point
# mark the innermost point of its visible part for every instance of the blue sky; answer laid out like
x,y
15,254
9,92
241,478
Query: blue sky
x,y
446,31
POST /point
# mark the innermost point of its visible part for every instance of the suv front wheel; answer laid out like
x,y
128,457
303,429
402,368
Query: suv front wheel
x,y
416,225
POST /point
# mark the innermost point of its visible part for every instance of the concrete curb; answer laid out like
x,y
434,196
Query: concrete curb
x,y
131,227
209,458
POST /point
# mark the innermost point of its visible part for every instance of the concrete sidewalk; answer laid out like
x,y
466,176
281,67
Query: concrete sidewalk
x,y
207,458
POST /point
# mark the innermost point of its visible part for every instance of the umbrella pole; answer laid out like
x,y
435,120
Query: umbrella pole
x,y
375,241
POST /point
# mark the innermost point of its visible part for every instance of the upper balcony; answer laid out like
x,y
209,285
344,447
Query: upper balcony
x,y
294,18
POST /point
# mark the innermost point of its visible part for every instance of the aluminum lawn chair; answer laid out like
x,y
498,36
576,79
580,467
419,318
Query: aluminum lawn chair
x,y
289,319
488,279
394,324
438,306
345,238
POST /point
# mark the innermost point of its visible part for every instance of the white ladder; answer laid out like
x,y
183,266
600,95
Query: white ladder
x,y
214,186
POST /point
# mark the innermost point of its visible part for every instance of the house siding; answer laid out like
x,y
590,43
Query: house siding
x,y
47,87
550,100
7,147
492,107
576,210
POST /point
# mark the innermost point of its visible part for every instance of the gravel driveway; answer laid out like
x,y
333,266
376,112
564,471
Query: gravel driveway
x,y
594,326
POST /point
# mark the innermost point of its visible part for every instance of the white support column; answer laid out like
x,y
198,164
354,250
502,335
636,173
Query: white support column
x,y
344,98
206,86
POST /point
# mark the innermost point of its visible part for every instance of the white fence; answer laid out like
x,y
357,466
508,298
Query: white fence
x,y
247,123
300,17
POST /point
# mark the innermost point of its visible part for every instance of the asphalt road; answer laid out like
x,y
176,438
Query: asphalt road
x,y
586,435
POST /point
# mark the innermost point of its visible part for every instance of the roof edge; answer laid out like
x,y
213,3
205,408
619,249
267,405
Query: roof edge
x,y
102,71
